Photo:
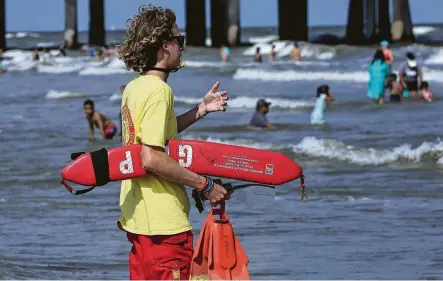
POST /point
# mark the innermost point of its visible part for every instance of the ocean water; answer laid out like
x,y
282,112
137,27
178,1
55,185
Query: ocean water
x,y
373,173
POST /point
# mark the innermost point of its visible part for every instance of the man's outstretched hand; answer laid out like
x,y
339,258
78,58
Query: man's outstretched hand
x,y
215,100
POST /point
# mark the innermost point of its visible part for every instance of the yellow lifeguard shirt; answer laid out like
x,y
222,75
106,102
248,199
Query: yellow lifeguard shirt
x,y
151,205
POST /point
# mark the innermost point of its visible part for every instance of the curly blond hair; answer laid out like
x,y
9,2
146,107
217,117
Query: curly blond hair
x,y
145,35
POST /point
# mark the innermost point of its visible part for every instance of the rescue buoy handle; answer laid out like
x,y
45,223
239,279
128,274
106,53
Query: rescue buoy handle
x,y
74,191
230,188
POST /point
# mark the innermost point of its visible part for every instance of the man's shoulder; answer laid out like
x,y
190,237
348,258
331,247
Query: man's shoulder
x,y
151,89
258,118
257,114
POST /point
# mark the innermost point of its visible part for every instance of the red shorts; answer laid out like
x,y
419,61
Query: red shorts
x,y
110,131
160,257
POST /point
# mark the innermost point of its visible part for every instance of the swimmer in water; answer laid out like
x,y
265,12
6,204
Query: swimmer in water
x,y
258,57
395,88
411,74
272,54
295,52
259,118
426,93
225,53
106,127
324,96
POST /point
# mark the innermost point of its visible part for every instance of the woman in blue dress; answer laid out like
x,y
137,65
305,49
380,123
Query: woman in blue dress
x,y
378,71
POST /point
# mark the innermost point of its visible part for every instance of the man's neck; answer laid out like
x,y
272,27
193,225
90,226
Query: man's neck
x,y
164,76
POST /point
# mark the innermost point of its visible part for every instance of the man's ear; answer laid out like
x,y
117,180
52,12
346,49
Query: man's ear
x,y
165,45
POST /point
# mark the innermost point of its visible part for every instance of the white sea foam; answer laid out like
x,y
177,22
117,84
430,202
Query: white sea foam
x,y
337,150
293,75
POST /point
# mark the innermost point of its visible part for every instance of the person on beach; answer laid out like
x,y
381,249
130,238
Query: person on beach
x,y
259,118
324,96
155,208
378,71
395,88
105,125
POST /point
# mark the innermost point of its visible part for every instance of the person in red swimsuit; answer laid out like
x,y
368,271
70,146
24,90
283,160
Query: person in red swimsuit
x,y
389,57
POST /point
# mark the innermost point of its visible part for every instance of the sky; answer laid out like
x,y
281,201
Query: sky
x,y
48,15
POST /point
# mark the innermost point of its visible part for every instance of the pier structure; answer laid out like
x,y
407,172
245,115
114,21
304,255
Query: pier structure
x,y
368,22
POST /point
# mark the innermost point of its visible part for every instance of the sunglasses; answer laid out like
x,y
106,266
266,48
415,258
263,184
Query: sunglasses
x,y
180,39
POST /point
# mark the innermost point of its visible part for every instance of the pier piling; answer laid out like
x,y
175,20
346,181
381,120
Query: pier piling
x,y
384,22
196,22
3,24
97,35
354,27
225,22
402,24
71,30
370,30
293,20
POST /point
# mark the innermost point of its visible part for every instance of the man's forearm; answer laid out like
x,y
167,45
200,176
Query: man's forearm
x,y
161,164
187,119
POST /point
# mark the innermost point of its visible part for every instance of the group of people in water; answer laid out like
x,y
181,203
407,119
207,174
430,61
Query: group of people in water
x,y
407,83
225,53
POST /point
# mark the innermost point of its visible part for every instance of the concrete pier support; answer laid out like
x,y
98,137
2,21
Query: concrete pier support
x,y
225,22
97,36
71,30
384,22
370,26
2,24
354,27
402,24
293,20
196,22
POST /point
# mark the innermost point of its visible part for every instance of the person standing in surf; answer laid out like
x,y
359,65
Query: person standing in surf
x,y
259,118
389,57
411,75
324,97
378,72
155,208
395,88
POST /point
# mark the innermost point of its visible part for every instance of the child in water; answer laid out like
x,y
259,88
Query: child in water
x,y
324,96
425,92
106,127
395,88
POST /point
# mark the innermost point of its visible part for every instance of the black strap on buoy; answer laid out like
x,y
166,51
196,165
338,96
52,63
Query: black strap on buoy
x,y
75,155
101,166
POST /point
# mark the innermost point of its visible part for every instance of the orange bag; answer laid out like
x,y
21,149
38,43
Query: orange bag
x,y
218,254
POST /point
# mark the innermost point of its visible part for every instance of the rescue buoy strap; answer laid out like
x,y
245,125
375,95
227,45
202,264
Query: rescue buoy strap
x,y
101,166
